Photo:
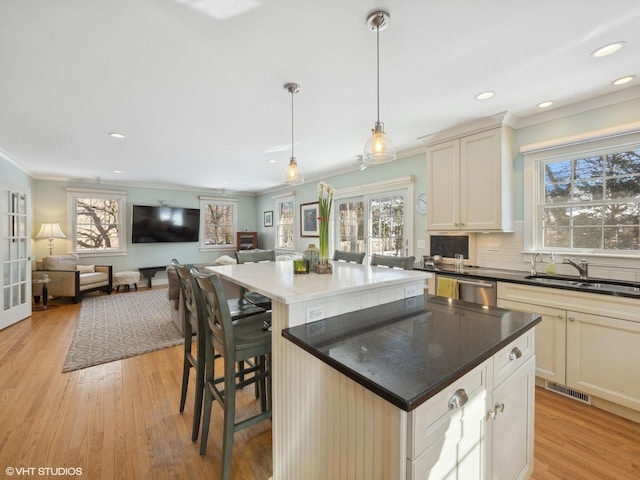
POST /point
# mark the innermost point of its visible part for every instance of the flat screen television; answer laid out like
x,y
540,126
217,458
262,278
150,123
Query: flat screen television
x,y
164,224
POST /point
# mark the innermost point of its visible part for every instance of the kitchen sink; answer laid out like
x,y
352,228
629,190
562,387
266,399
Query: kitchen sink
x,y
588,283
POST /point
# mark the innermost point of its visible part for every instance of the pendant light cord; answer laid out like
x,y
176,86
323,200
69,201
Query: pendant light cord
x,y
292,154
378,64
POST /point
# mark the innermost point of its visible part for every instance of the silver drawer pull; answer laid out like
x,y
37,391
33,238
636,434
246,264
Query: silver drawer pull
x,y
515,354
458,399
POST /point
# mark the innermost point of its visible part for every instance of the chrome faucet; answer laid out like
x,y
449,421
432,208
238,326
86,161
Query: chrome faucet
x,y
582,266
536,258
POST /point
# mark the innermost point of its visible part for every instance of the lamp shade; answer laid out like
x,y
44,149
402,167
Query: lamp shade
x,y
379,148
50,230
293,173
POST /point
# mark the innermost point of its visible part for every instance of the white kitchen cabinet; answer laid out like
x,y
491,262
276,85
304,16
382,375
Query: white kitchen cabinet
x,y
470,182
551,337
511,430
586,341
490,435
446,434
603,355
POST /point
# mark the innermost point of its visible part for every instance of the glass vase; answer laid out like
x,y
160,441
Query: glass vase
x,y
324,262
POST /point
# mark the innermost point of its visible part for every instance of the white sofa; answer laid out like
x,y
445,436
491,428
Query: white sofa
x,y
71,278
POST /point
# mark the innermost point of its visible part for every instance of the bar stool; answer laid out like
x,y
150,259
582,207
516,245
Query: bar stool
x,y
392,261
241,342
349,257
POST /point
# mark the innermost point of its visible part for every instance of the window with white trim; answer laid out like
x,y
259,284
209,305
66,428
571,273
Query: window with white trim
x,y
377,220
98,220
285,223
218,223
591,202
585,195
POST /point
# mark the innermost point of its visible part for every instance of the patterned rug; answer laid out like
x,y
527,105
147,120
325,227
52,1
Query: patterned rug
x,y
112,327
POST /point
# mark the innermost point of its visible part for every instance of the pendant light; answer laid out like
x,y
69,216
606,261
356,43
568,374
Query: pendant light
x,y
379,148
293,173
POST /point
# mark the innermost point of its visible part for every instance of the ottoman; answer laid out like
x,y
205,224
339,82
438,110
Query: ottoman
x,y
126,279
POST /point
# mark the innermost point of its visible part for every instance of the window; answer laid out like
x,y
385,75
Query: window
x,y
285,222
98,218
387,234
218,223
585,194
377,220
592,202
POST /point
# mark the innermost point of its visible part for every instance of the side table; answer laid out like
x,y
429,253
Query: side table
x,y
45,292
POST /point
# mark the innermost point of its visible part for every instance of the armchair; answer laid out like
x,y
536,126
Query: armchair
x,y
75,279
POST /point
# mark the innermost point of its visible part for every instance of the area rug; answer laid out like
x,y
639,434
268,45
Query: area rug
x,y
113,327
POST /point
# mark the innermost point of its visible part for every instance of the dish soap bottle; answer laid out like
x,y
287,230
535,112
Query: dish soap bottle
x,y
551,266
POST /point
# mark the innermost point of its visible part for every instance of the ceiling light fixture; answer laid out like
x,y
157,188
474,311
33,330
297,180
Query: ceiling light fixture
x,y
292,174
623,80
116,135
485,95
379,148
361,165
546,104
608,49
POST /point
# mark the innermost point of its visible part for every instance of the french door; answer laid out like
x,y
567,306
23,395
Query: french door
x,y
15,245
375,223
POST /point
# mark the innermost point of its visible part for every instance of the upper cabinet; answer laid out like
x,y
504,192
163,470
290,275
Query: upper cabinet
x,y
470,182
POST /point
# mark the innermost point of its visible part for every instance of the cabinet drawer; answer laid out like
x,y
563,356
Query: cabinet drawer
x,y
428,422
507,360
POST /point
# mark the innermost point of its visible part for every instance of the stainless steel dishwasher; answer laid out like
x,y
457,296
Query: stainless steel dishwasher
x,y
475,290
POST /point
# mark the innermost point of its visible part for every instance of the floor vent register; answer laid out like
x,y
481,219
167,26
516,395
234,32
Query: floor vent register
x,y
568,392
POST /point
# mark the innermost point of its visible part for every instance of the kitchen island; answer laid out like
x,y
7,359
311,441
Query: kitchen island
x,y
298,300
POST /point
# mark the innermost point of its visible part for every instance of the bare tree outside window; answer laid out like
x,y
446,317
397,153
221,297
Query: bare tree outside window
x,y
97,224
285,217
592,203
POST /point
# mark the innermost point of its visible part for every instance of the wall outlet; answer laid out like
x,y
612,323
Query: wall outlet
x,y
494,247
314,313
410,291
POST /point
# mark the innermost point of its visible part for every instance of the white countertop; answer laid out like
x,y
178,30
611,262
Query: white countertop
x,y
277,281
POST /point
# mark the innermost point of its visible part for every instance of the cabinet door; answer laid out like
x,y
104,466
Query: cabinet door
x,y
550,339
457,444
603,355
481,181
511,419
443,202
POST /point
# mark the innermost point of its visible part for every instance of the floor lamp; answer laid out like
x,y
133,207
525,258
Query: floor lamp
x,y
50,231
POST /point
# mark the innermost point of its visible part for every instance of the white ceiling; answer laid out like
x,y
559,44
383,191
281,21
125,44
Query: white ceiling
x,y
197,86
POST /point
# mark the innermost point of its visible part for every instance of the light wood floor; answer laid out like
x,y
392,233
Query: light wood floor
x,y
121,421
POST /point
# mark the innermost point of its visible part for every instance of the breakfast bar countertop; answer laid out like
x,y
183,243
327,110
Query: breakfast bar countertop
x,y
409,350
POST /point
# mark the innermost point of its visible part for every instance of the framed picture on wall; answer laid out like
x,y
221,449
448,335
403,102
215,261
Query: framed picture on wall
x,y
309,219
268,218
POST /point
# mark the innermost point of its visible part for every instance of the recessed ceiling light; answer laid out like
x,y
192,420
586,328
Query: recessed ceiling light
x,y
546,104
116,135
485,95
608,49
117,171
623,80
271,160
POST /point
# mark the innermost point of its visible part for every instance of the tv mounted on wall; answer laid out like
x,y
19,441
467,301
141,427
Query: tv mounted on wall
x,y
164,224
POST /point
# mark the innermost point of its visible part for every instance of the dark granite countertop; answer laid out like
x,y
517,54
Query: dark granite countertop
x,y
601,286
409,350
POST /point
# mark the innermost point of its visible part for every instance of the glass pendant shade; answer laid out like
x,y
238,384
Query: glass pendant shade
x,y
379,148
293,173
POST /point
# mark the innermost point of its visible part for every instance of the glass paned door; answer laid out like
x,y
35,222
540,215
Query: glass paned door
x,y
351,225
15,244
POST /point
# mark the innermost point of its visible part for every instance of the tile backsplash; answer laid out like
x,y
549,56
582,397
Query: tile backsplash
x,y
505,250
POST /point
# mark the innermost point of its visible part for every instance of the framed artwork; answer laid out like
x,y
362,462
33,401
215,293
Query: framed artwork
x,y
268,218
309,219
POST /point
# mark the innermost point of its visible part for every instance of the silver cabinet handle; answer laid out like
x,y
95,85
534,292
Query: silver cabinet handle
x,y
560,317
458,399
571,319
515,354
